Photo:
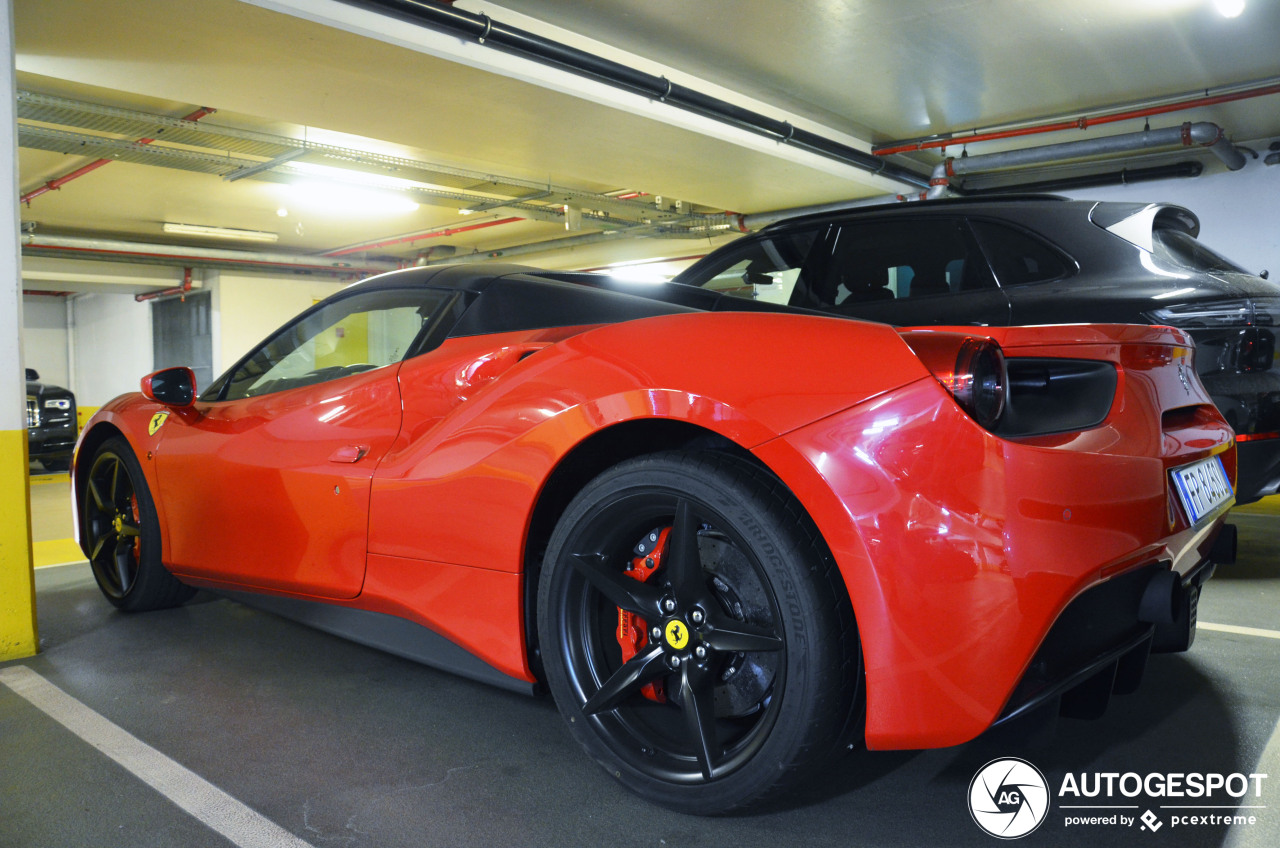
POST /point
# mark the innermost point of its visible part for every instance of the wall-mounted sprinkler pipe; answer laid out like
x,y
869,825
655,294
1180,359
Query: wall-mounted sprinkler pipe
x,y
168,293
491,33
1202,133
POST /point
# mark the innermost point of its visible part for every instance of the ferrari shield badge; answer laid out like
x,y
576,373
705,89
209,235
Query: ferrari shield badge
x,y
157,421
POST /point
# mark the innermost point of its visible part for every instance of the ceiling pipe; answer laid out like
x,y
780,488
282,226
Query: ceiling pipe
x,y
1080,123
448,231
1202,133
55,184
1125,176
484,30
110,250
535,247
166,293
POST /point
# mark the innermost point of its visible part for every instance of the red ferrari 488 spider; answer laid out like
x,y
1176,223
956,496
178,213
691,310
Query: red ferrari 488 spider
x,y
731,539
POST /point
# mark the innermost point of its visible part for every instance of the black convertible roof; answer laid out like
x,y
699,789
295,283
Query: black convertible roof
x,y
504,298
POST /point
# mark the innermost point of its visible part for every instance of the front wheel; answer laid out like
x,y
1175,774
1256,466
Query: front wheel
x,y
122,533
695,632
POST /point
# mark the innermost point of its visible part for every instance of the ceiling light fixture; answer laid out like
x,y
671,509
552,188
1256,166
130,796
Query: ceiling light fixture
x,y
1229,8
351,200
219,232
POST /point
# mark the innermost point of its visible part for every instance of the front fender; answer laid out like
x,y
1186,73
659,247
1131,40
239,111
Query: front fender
x,y
129,416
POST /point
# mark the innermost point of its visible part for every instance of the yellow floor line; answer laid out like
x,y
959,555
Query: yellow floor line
x,y
56,552
1266,506
61,477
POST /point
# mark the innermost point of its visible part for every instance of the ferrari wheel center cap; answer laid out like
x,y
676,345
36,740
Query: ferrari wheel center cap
x,y
118,523
677,634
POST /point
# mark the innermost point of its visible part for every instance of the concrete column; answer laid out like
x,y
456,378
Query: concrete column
x,y
17,577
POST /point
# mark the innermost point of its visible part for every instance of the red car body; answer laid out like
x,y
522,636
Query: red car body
x,y
425,489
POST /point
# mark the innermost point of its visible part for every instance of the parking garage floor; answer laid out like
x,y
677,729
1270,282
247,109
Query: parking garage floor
x,y
215,724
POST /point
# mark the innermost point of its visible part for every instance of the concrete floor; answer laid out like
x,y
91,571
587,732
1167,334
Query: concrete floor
x,y
340,745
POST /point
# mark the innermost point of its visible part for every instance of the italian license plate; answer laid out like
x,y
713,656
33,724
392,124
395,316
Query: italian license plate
x,y
1202,487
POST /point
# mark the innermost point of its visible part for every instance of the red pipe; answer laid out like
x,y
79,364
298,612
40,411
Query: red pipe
x,y
408,239
59,182
1081,123
182,289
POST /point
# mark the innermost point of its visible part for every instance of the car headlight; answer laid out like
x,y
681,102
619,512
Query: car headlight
x,y
57,403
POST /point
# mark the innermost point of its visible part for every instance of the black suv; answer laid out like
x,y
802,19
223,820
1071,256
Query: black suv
x,y
1032,260
51,423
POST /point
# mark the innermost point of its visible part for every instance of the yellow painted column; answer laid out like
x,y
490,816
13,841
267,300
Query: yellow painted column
x,y
17,576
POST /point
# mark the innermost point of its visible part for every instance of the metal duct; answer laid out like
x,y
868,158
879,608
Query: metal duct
x,y
521,249
1203,133
1125,176
484,30
110,250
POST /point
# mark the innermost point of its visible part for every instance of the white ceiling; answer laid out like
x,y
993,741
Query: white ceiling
x,y
860,72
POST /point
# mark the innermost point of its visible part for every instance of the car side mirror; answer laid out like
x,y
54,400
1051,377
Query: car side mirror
x,y
174,387
32,376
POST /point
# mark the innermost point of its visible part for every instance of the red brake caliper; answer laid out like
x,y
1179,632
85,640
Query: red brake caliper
x,y
633,631
137,521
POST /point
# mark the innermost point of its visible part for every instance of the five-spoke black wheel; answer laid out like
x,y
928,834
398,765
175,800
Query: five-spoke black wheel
x,y
695,633
122,534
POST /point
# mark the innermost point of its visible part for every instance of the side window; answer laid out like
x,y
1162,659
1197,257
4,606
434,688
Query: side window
x,y
864,262
1018,258
357,333
763,269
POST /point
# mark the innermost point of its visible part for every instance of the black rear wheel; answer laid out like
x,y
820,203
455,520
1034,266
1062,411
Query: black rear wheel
x,y
122,533
695,633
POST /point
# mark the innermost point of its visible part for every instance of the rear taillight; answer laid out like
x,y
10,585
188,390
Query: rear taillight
x,y
1230,335
971,368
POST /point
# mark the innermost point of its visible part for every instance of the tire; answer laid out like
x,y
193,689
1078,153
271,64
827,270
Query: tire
x,y
122,533
748,668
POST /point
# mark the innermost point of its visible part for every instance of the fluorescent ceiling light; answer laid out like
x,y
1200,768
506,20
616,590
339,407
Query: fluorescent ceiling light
x,y
351,177
1229,8
219,232
350,200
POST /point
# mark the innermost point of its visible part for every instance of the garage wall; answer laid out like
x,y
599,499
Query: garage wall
x,y
44,337
1238,210
111,346
248,307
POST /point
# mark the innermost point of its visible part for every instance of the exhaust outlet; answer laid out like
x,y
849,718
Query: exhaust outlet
x,y
1224,547
1162,599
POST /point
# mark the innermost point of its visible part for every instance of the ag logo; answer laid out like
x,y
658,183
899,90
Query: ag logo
x,y
677,634
157,421
1008,798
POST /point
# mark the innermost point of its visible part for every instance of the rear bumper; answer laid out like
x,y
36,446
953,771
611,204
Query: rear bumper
x,y
1098,647
961,560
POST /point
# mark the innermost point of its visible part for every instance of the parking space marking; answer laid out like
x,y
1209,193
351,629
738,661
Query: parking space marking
x,y
195,795
56,552
1242,631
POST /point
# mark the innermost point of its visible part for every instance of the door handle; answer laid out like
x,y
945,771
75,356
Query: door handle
x,y
348,453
